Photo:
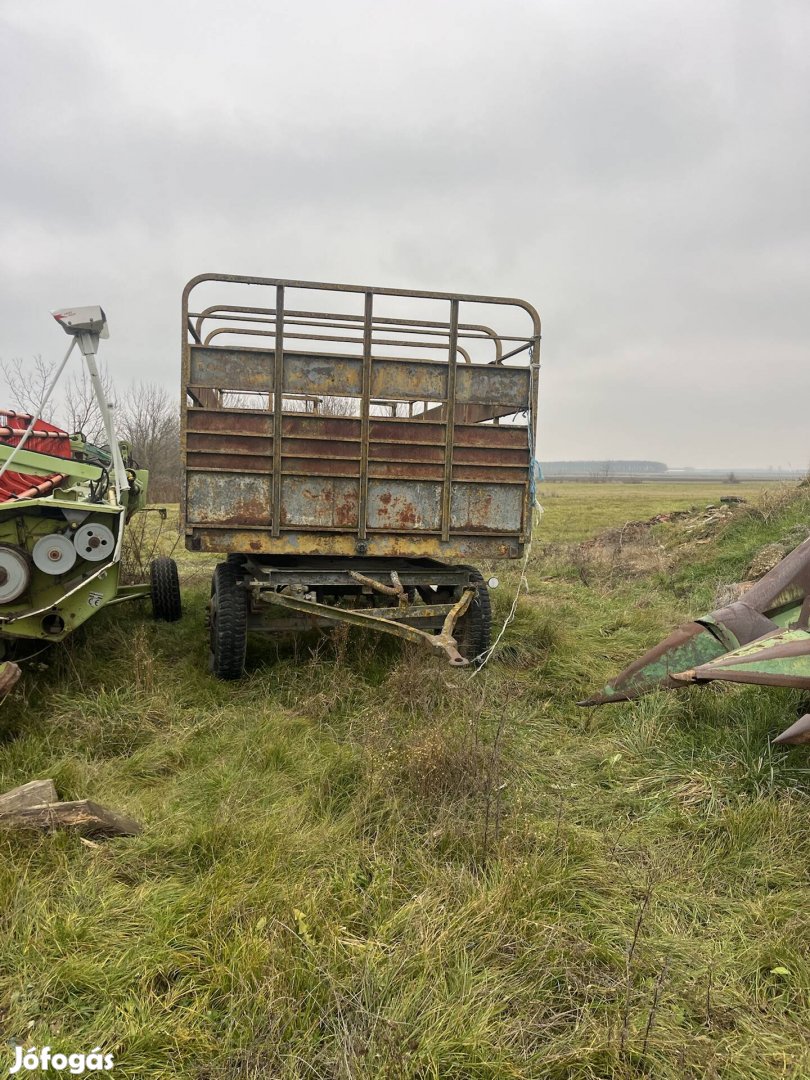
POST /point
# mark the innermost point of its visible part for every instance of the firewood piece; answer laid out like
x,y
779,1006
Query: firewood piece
x,y
86,817
9,674
35,793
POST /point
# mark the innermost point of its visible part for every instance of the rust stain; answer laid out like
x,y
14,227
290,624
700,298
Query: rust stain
x,y
346,513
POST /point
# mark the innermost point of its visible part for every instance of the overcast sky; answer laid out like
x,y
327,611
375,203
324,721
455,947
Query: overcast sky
x,y
637,170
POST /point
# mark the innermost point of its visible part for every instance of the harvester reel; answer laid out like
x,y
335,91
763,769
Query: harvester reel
x,y
94,542
15,573
54,554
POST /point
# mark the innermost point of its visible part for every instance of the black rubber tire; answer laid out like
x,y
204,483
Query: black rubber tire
x,y
167,605
228,622
473,631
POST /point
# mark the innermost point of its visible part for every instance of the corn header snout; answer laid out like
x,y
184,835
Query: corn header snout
x,y
761,638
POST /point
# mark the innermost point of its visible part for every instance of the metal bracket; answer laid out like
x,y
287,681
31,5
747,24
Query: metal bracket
x,y
395,589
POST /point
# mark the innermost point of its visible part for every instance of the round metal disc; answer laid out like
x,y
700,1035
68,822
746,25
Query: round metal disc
x,y
54,554
15,573
94,542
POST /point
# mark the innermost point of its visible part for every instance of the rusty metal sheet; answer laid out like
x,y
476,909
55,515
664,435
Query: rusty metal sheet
x,y
381,469
408,381
317,448
230,421
404,452
490,475
228,499
330,502
407,471
410,545
492,435
402,505
228,462
322,375
294,466
490,507
487,384
216,442
488,455
226,368
337,428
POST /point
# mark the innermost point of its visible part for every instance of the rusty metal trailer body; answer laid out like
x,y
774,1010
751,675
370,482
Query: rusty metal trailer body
x,y
342,434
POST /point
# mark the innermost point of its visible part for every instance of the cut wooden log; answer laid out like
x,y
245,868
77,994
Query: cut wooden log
x,y
36,793
84,816
9,674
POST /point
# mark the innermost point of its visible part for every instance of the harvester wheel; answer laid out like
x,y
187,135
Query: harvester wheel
x,y
473,631
166,602
228,622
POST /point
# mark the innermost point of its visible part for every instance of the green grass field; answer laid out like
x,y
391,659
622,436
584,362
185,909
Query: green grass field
x,y
359,862
574,511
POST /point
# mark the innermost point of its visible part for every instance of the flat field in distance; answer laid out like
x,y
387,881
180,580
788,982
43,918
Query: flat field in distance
x,y
358,862
577,510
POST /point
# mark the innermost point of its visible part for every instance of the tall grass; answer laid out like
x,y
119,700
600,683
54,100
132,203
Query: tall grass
x,y
320,889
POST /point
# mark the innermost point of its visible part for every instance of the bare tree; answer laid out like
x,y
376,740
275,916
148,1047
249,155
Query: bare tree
x,y
81,409
339,406
28,384
148,419
75,409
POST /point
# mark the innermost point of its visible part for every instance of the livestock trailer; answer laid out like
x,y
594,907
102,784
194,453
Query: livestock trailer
x,y
354,452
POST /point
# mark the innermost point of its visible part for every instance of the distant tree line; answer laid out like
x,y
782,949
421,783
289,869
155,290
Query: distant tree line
x,y
601,468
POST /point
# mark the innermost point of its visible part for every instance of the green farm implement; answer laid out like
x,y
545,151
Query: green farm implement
x,y
762,638
64,505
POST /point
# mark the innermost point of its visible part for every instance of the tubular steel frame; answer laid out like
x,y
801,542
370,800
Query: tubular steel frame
x,y
200,328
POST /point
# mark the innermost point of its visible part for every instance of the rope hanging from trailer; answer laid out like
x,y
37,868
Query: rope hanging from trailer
x,y
536,512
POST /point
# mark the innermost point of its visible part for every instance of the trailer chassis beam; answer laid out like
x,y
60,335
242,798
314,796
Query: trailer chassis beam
x,y
387,620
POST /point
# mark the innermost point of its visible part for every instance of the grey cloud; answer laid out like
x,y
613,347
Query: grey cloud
x,y
637,171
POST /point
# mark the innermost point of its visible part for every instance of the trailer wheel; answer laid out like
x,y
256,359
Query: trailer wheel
x,y
228,613
166,601
473,631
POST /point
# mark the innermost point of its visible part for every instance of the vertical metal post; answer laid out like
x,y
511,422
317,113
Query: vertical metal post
x,y
365,410
278,404
531,421
450,420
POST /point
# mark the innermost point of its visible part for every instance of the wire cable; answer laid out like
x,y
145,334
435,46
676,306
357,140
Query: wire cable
x,y
536,512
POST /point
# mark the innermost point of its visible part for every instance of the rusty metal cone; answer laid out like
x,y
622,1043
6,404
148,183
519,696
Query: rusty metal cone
x,y
797,734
